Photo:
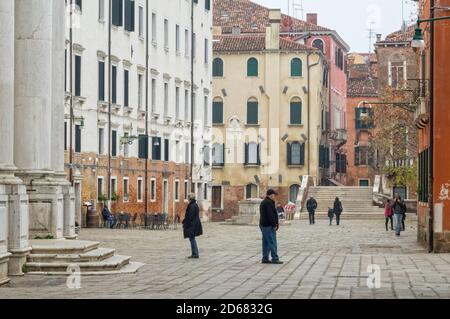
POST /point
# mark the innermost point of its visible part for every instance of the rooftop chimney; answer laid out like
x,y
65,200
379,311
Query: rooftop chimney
x,y
378,37
273,32
311,18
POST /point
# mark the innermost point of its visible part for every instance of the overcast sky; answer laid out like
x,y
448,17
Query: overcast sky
x,y
352,18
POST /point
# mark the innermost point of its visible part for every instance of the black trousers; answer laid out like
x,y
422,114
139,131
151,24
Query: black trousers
x,y
387,222
312,219
338,219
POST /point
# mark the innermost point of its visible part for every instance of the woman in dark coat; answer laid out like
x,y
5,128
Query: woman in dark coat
x,y
337,208
192,226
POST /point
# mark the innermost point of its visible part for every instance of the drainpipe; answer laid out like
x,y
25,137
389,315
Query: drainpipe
x,y
309,109
71,94
192,97
146,107
109,101
431,147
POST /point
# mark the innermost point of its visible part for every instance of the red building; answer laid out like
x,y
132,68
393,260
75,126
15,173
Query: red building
x,y
433,121
362,87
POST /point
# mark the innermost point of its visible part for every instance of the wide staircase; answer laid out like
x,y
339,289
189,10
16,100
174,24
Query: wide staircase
x,y
66,256
357,202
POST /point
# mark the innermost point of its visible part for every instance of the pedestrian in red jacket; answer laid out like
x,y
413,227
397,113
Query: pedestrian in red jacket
x,y
388,214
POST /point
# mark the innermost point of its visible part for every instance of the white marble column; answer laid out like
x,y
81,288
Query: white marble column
x,y
13,198
34,116
57,141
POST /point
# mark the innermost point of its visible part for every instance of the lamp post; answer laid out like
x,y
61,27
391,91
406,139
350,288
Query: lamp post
x,y
418,39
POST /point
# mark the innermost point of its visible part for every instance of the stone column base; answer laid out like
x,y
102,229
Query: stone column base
x,y
4,258
17,259
441,242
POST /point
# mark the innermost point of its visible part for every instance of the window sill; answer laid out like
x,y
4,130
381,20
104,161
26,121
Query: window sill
x,y
296,125
219,124
220,77
154,43
141,38
252,125
296,166
218,166
297,77
252,166
101,21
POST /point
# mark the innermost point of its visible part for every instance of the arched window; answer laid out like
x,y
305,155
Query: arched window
x,y
251,191
296,67
252,67
218,67
217,111
293,193
218,154
296,111
318,44
252,111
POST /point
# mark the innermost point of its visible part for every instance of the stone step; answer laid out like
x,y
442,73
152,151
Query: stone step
x,y
93,255
62,247
130,268
113,263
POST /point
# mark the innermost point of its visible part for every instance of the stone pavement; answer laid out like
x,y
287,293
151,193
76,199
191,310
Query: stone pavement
x,y
320,262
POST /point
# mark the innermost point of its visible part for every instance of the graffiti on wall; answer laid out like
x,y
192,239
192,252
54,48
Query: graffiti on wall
x,y
444,193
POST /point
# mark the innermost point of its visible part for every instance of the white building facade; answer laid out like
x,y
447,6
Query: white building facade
x,y
140,110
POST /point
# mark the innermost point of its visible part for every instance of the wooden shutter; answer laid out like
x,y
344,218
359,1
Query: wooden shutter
x,y
252,112
252,67
302,154
126,82
114,84
296,113
113,143
101,81
289,153
77,75
258,154
246,153
77,139
117,12
129,15
166,150
143,147
217,112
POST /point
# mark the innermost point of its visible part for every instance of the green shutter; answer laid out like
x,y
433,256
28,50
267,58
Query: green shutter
x,y
296,67
296,113
289,153
217,112
218,67
252,67
143,147
356,156
246,153
252,112
302,154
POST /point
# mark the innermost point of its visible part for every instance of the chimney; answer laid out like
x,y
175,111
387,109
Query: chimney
x,y
311,18
273,32
378,37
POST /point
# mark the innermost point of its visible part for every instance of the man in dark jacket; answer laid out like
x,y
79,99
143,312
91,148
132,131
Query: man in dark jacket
x,y
107,216
337,208
192,226
399,208
269,225
311,206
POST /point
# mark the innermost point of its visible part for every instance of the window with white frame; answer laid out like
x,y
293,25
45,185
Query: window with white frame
x,y
206,113
186,106
177,190
218,154
139,189
100,191
126,190
153,189
186,190
251,191
113,186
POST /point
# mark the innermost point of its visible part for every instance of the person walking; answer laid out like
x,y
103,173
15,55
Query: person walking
x,y
192,226
337,208
269,225
311,206
388,214
330,215
398,208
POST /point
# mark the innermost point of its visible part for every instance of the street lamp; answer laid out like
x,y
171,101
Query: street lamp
x,y
418,39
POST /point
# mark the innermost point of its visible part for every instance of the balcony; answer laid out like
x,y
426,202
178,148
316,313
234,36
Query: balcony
x,y
338,135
